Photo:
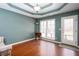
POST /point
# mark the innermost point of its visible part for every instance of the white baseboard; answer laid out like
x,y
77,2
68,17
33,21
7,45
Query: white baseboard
x,y
51,40
22,41
3,48
57,42
70,45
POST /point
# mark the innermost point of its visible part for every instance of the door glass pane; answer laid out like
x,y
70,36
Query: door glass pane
x,y
68,29
47,28
43,28
51,29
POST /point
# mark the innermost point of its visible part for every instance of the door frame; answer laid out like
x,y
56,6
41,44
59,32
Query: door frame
x,y
76,26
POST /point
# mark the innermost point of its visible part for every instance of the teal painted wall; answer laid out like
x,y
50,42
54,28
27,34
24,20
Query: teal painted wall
x,y
15,27
58,22
57,27
37,26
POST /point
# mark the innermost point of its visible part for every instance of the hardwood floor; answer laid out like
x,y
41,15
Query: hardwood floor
x,y
41,48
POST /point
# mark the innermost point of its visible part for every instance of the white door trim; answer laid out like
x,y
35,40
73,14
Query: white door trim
x,y
76,26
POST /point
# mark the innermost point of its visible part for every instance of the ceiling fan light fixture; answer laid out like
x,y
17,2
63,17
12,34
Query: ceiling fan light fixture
x,y
37,8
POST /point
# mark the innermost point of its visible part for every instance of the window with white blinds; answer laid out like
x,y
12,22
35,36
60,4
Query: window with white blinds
x,y
47,28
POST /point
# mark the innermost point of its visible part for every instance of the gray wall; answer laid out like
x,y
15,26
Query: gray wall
x,y
15,27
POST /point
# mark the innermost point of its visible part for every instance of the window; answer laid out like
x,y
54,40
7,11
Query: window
x,y
47,28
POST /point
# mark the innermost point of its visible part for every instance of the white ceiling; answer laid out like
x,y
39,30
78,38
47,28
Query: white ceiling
x,y
47,9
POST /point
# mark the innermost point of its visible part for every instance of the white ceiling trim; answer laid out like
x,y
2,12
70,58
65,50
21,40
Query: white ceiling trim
x,y
67,8
44,9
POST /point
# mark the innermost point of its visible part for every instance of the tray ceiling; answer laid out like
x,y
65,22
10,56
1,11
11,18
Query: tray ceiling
x,y
46,9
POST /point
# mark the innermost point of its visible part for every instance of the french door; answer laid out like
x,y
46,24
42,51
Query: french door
x,y
47,28
69,30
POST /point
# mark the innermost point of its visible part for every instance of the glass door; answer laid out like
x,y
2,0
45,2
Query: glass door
x,y
69,30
